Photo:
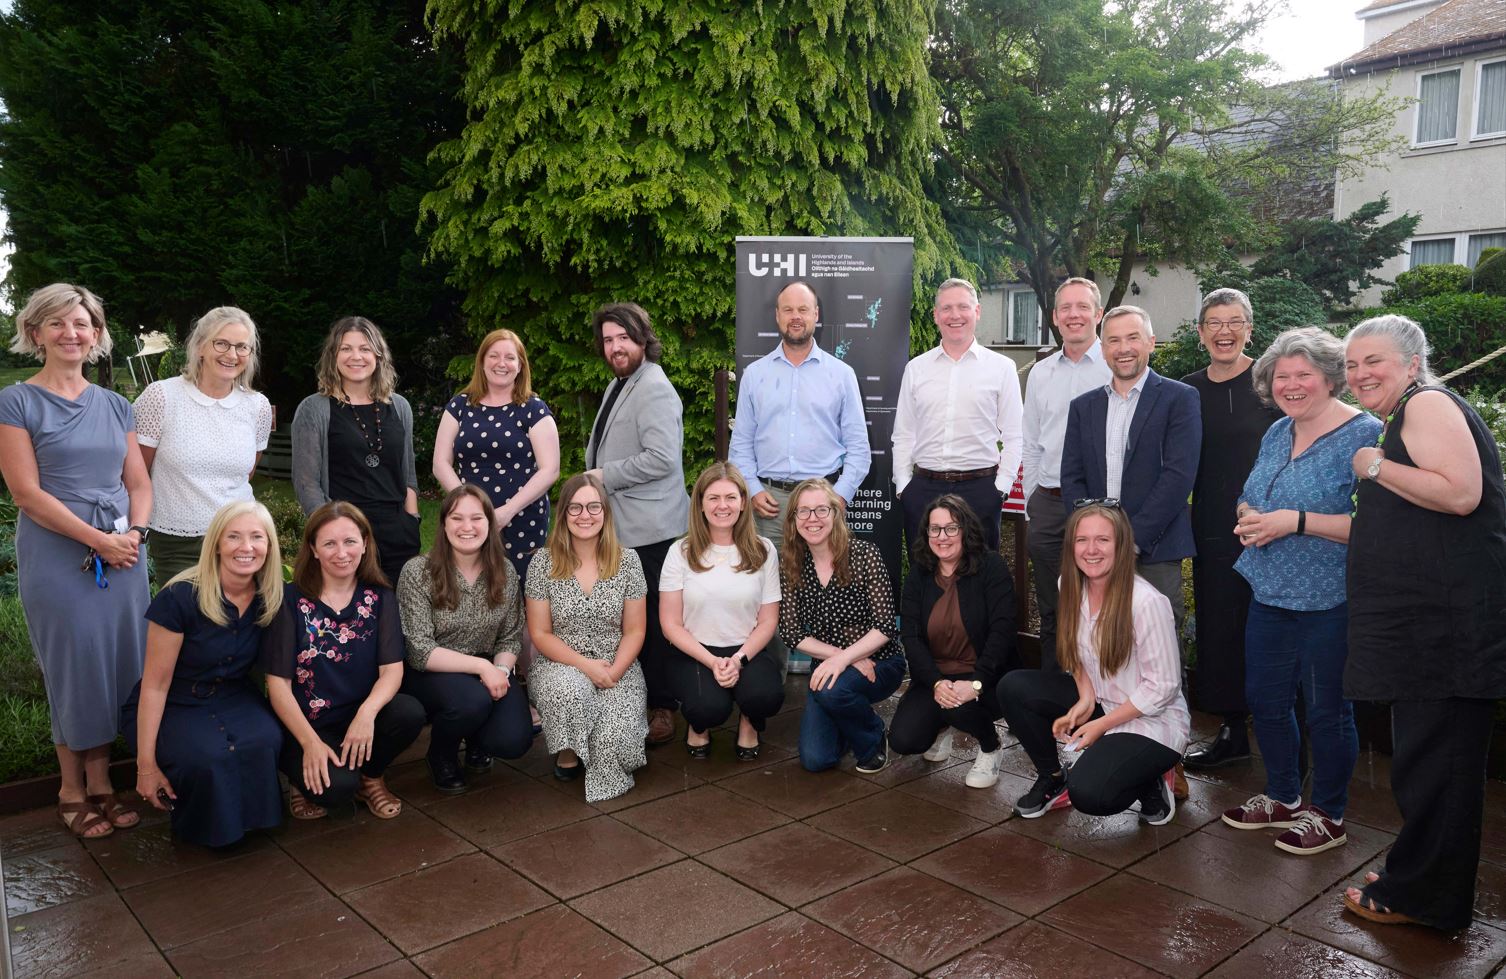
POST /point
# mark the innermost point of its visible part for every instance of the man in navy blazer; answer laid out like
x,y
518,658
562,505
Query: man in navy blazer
x,y
1137,440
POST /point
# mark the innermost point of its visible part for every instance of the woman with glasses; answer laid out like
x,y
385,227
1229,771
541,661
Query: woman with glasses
x,y
201,436
837,606
956,615
719,606
587,616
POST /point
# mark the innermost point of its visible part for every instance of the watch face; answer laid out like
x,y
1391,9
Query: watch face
x,y
1374,469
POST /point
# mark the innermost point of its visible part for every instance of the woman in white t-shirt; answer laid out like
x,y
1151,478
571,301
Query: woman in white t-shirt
x,y
201,435
719,605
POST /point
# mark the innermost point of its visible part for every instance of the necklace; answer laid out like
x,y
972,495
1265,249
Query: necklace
x,y
373,452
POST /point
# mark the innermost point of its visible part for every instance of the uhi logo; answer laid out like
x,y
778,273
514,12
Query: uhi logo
x,y
764,263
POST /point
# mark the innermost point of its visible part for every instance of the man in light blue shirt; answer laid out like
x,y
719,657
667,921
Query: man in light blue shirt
x,y
799,415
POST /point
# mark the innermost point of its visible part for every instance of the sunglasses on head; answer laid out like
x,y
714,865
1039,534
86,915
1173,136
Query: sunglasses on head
x,y
1107,501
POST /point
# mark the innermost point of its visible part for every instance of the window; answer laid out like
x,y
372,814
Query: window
x,y
1490,99
1478,243
1439,251
1437,107
1024,318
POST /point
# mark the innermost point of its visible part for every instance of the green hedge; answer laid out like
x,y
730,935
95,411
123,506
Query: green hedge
x,y
1428,280
1460,327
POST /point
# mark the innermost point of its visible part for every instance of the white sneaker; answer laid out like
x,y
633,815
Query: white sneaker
x,y
941,748
985,770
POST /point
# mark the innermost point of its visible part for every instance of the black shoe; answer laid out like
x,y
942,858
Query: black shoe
x,y
700,752
1231,745
878,761
446,775
749,753
567,773
476,759
1048,793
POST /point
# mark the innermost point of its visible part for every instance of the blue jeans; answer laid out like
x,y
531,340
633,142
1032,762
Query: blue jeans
x,y
1287,651
841,717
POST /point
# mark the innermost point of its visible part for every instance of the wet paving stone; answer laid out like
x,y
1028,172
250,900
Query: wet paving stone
x,y
1034,951
897,825
702,819
1021,873
1292,956
788,947
93,935
948,788
371,850
148,852
1409,949
491,817
797,793
552,942
40,879
1114,840
584,856
796,864
324,939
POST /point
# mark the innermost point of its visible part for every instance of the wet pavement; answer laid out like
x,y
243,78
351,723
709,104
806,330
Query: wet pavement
x,y
724,869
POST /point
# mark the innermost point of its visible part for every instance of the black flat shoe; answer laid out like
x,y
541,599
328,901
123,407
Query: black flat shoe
x,y
749,753
446,775
699,751
476,759
1226,749
567,773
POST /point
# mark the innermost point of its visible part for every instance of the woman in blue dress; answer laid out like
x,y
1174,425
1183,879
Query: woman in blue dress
x,y
68,454
334,662
206,742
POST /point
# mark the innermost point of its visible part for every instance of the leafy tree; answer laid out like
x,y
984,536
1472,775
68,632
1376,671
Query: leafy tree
x,y
176,155
615,149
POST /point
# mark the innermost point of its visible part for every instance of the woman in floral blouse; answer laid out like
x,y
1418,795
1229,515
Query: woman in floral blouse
x,y
334,663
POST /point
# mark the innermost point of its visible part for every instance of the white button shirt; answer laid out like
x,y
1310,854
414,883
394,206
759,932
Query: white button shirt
x,y
1049,390
1116,431
958,415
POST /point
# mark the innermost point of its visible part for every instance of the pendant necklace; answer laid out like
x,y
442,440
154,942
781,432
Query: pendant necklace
x,y
373,453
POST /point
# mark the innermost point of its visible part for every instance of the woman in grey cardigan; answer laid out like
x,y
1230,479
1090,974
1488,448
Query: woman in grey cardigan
x,y
353,441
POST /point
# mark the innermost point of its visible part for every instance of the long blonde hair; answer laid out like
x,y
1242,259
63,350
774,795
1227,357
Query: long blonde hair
x,y
792,552
750,550
562,560
1114,632
383,379
522,387
205,576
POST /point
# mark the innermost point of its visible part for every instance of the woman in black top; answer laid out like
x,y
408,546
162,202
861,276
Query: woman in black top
x,y
957,621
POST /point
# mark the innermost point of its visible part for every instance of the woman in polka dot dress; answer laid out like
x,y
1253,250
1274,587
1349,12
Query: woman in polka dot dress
x,y
498,435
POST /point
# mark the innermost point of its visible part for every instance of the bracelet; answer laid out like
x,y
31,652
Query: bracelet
x,y
1301,521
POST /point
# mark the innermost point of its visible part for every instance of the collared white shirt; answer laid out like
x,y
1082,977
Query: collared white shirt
x,y
1116,431
1049,390
958,415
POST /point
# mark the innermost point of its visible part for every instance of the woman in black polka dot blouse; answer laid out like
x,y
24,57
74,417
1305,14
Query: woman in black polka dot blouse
x,y
498,435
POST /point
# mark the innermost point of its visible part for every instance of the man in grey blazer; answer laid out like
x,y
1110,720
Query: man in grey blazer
x,y
636,448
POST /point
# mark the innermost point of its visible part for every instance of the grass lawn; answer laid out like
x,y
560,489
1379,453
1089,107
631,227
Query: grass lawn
x,y
14,375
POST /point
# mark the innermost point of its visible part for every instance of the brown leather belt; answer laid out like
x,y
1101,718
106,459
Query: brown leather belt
x,y
1055,491
788,485
958,476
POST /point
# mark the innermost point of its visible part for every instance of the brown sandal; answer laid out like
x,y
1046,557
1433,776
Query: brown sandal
x,y
375,796
301,808
87,818
119,816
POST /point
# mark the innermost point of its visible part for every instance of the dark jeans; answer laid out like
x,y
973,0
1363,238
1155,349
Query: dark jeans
x,y
396,727
1043,537
1111,775
1438,778
759,692
841,718
980,494
918,719
657,654
459,707
1287,651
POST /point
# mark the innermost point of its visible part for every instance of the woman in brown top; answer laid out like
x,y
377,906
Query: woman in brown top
x,y
957,624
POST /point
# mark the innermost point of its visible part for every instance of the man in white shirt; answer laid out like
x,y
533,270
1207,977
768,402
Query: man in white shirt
x,y
957,423
1077,368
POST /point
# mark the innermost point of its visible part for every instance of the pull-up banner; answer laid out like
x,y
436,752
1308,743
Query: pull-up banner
x,y
865,288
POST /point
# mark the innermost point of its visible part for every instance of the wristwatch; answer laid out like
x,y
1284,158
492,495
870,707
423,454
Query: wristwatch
x,y
741,661
978,687
1373,472
143,531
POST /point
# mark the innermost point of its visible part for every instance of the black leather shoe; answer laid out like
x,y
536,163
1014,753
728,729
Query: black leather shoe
x,y
1230,746
446,775
476,759
567,773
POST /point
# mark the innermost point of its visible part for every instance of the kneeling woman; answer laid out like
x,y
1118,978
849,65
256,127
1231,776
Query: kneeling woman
x,y
957,621
463,619
586,616
719,605
206,742
334,662
838,606
1122,705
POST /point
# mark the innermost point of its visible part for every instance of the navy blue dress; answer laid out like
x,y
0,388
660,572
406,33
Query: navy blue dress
x,y
219,739
493,451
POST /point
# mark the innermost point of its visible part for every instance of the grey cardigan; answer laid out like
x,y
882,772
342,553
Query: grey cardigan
x,y
311,449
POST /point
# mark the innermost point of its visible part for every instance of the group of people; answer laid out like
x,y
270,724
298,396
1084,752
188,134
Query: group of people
x,y
1338,553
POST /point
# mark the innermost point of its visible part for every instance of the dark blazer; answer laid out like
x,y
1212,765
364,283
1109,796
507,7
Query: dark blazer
x,y
1160,463
986,600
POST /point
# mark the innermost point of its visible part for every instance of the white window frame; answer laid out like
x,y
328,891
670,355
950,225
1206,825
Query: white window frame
x,y
1451,239
1467,239
1417,114
1474,122
1009,331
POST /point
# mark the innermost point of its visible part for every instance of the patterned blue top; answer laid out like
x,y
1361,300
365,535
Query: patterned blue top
x,y
1302,573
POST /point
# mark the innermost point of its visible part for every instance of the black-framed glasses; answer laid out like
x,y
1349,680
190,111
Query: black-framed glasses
x,y
225,346
823,511
1219,326
594,508
943,530
1108,501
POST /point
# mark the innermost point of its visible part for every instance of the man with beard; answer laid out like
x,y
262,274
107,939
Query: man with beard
x,y
636,449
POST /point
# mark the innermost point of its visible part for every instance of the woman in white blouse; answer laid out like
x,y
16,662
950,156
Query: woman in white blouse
x,y
719,605
1120,712
201,435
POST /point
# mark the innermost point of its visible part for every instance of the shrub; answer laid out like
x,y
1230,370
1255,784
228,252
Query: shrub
x,y
25,738
1460,327
1427,280
287,515
19,674
1490,272
1279,305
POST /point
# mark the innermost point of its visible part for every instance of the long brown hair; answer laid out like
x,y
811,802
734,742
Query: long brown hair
x,y
562,559
522,385
308,575
1114,633
750,550
383,379
440,563
792,552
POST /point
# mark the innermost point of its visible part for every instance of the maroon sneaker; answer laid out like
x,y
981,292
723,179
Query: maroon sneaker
x,y
1313,832
1262,812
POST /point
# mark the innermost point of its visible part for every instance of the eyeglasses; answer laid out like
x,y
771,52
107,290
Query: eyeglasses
x,y
225,346
1107,501
943,530
1219,326
576,509
823,511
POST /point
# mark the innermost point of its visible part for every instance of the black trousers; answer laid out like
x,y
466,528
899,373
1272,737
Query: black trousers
x,y
395,728
459,706
1438,779
758,693
1222,599
980,494
1043,537
1116,772
918,718
657,654
396,534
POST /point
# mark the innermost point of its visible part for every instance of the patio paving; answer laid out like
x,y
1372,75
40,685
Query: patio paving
x,y
726,869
